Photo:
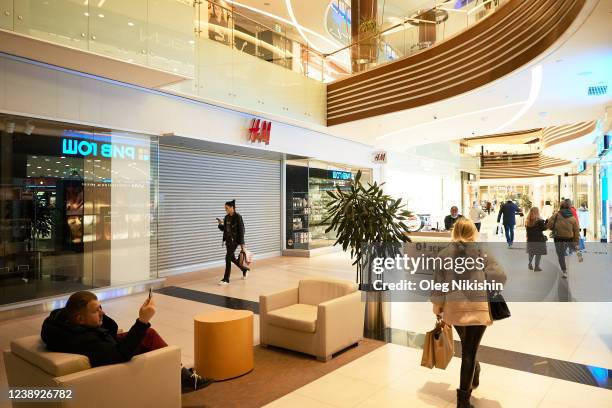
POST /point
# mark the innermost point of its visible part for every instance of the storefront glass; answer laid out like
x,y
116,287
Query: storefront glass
x,y
307,200
77,208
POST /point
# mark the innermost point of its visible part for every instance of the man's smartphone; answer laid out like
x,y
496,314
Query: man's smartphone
x,y
150,293
219,220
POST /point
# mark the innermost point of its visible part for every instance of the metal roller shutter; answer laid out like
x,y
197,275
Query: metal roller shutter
x,y
193,187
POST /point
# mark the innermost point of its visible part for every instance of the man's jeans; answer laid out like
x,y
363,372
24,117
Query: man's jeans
x,y
509,229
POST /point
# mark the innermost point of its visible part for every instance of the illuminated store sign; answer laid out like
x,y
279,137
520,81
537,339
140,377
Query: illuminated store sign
x,y
341,175
88,148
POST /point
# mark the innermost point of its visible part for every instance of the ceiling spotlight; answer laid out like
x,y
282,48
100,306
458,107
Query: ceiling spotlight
x,y
9,127
29,128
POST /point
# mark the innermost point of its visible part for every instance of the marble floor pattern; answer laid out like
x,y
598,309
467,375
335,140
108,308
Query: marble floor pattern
x,y
390,376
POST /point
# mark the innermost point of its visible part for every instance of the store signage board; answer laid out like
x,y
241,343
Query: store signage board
x,y
341,175
379,157
86,148
260,130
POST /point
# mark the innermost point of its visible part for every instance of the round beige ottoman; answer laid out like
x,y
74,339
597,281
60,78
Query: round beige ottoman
x,y
223,343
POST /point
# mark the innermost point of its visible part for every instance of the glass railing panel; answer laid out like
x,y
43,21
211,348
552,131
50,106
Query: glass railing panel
x,y
118,29
62,22
171,41
6,14
215,75
424,27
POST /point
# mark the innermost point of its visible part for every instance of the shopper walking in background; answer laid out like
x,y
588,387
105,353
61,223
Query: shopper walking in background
x,y
467,311
508,212
233,235
476,215
583,219
565,232
536,240
547,210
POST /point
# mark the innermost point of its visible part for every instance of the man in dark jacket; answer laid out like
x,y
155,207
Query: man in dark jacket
x,y
233,235
449,220
81,327
508,211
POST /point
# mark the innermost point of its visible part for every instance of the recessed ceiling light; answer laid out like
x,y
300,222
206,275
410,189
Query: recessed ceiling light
x,y
38,167
101,15
86,14
191,42
130,24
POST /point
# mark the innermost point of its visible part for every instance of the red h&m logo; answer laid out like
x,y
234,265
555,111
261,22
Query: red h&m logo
x,y
260,131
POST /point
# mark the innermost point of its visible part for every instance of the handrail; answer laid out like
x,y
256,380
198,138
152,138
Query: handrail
x,y
407,20
234,12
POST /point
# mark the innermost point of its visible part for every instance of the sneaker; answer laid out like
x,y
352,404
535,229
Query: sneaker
x,y
537,269
564,275
245,274
223,283
191,381
530,267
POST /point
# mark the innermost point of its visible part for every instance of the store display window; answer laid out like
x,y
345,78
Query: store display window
x,y
307,200
77,208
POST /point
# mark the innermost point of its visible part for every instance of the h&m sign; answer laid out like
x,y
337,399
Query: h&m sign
x,y
260,131
379,157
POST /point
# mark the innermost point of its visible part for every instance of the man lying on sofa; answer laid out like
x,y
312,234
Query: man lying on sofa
x,y
81,327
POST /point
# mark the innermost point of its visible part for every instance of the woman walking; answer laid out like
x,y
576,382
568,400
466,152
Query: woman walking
x,y
536,240
233,235
566,233
468,311
476,215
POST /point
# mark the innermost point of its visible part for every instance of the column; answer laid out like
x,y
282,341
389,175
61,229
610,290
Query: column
x,y
364,24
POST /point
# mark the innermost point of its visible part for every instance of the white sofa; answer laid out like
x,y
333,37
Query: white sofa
x,y
148,380
320,317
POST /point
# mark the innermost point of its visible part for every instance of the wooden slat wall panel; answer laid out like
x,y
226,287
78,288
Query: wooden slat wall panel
x,y
511,37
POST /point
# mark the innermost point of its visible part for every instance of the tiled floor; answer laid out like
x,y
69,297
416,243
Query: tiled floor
x,y
391,376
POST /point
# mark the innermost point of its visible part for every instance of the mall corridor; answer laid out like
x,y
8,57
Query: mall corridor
x,y
321,203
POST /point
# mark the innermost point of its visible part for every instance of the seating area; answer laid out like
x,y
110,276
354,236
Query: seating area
x,y
145,380
320,317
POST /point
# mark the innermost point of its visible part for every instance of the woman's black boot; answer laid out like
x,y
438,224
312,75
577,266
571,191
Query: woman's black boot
x,y
476,380
463,399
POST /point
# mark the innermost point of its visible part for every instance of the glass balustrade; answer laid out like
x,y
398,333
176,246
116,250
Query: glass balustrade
x,y
426,26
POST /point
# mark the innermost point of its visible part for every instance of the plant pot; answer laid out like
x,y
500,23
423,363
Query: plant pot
x,y
377,315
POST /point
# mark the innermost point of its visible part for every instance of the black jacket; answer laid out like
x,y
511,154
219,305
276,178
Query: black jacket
x,y
509,211
233,229
99,344
535,233
449,221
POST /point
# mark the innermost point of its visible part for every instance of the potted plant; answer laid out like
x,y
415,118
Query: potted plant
x,y
370,223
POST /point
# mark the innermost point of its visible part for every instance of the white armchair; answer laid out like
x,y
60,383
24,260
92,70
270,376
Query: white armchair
x,y
320,317
148,380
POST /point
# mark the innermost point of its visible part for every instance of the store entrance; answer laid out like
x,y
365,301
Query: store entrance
x,y
46,214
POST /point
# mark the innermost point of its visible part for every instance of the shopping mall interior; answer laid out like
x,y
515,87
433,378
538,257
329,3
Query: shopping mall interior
x,y
207,203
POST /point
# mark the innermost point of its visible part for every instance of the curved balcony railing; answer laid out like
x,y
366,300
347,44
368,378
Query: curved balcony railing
x,y
428,25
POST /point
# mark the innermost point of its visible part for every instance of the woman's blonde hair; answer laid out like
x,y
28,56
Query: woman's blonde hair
x,y
464,230
532,217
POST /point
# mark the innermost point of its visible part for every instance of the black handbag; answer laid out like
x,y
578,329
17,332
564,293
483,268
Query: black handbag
x,y
497,306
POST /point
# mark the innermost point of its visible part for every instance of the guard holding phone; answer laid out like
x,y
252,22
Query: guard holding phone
x,y
233,235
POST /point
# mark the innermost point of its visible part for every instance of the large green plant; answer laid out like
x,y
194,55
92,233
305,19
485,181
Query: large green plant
x,y
363,216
